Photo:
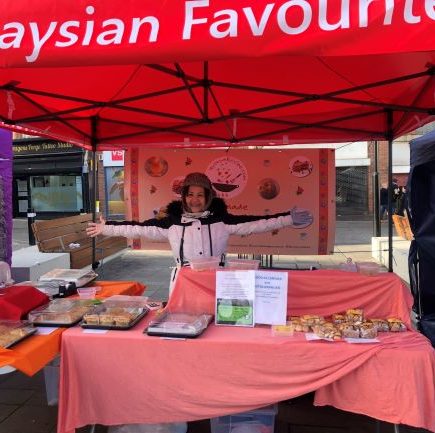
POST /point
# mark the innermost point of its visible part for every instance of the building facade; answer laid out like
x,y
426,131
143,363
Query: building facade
x,y
49,177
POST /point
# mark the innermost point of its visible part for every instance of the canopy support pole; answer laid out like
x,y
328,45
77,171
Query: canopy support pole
x,y
93,185
376,214
206,91
390,188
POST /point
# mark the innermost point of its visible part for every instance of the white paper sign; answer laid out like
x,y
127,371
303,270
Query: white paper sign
x,y
94,331
235,298
271,297
362,340
45,330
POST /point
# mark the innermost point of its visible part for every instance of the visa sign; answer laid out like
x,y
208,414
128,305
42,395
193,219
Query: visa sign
x,y
117,155
113,158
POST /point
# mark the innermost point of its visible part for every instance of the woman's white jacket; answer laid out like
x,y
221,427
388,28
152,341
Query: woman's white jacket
x,y
192,237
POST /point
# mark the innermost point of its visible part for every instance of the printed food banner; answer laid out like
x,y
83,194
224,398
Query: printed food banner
x,y
252,182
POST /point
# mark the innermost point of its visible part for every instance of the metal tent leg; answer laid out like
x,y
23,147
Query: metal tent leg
x,y
378,426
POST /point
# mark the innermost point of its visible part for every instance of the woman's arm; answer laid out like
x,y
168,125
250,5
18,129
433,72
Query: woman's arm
x,y
152,229
248,224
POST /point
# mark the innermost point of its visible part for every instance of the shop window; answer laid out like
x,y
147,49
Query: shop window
x,y
115,207
352,191
56,193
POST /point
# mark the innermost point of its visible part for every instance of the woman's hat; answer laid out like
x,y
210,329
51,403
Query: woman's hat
x,y
198,179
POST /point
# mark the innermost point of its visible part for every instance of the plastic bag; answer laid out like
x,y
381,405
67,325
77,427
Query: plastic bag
x,y
5,274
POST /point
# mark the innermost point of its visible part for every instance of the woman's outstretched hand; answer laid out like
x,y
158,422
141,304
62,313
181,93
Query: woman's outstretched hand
x,y
301,217
95,229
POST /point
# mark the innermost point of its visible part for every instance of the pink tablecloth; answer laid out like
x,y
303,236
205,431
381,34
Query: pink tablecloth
x,y
127,377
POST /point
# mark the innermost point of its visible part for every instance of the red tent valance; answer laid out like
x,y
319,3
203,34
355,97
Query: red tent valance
x,y
203,73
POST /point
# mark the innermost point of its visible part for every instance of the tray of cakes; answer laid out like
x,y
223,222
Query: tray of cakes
x,y
61,312
113,315
179,325
14,331
351,324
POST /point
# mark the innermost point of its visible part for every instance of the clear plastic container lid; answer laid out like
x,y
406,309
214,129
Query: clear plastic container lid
x,y
112,316
126,301
180,324
204,263
61,311
5,274
13,331
78,276
242,264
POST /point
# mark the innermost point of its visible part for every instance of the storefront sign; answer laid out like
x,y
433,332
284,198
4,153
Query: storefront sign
x,y
113,158
42,147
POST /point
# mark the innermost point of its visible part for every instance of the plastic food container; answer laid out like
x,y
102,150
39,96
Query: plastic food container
x,y
60,312
113,316
205,264
77,276
126,301
87,292
283,330
13,331
368,268
255,421
243,264
184,325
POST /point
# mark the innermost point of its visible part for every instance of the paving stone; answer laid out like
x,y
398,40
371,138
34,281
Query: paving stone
x,y
21,381
15,396
6,410
30,419
39,398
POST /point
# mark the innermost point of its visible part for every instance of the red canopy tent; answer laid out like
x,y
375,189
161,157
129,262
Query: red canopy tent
x,y
207,73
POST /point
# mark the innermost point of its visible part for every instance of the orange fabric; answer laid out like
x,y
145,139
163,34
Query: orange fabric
x,y
34,353
230,370
110,288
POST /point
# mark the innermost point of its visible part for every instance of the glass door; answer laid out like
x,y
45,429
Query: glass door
x,y
22,197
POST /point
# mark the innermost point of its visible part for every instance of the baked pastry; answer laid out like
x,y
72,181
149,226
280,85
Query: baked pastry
x,y
106,319
396,325
368,330
338,318
354,315
298,325
311,320
327,330
91,319
122,319
380,324
348,330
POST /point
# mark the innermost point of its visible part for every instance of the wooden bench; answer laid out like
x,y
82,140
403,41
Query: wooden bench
x,y
57,235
